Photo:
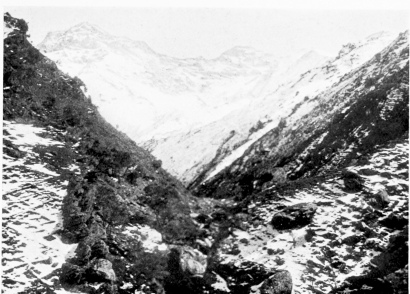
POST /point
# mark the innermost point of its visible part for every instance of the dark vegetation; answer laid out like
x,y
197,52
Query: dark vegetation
x,y
120,183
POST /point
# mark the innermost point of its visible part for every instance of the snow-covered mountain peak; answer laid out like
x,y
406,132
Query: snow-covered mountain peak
x,y
87,27
245,55
238,51
86,36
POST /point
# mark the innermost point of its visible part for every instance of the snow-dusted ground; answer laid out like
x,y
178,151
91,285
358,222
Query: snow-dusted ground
x,y
150,238
32,199
339,215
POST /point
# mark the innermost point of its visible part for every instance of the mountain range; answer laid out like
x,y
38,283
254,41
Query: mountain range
x,y
128,171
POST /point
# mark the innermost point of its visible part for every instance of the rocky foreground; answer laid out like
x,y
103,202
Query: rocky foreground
x,y
346,234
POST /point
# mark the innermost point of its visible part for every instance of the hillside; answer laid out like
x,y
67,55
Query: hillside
x,y
324,196
366,108
84,208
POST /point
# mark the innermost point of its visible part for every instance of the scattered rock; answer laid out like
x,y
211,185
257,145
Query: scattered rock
x,y
368,172
351,240
294,216
49,238
279,283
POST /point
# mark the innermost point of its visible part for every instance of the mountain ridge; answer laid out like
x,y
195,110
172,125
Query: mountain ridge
x,y
195,94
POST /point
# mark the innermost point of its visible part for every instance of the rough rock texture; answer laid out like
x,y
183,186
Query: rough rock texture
x,y
279,283
192,261
382,198
104,268
294,216
352,181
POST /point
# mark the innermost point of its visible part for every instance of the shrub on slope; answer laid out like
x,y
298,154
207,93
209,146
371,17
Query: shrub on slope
x,y
120,183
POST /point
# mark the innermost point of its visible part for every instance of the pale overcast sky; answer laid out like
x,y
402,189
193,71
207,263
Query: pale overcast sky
x,y
196,31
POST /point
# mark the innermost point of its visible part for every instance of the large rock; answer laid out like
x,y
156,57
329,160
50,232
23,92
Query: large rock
x,y
104,268
382,198
192,261
294,216
353,182
71,274
279,283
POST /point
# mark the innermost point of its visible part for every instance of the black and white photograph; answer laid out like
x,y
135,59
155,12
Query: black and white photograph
x,y
205,147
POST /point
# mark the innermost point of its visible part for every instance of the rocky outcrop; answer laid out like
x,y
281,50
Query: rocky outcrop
x,y
294,216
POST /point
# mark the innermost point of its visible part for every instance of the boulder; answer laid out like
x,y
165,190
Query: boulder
x,y
382,198
353,182
294,216
192,261
394,221
71,274
279,283
103,268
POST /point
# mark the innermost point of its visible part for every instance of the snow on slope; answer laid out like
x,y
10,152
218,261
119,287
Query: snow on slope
x,y
154,97
297,128
185,110
329,257
32,199
294,98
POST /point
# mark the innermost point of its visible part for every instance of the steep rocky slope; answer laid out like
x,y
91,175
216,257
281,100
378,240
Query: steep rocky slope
x,y
84,208
323,199
356,241
367,107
